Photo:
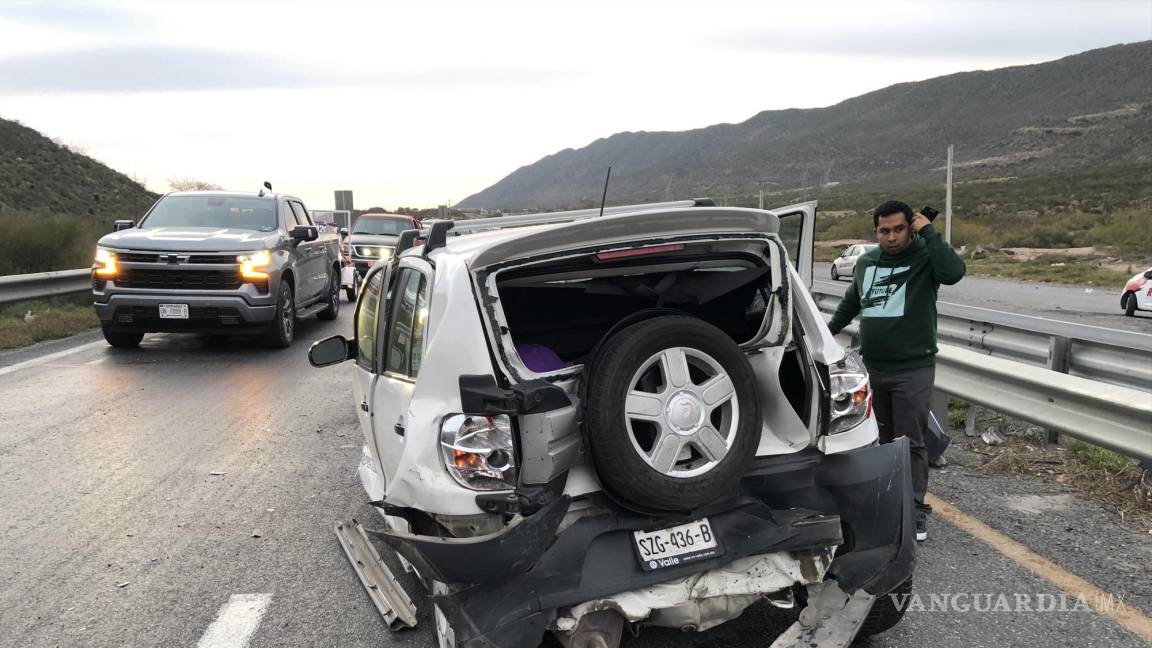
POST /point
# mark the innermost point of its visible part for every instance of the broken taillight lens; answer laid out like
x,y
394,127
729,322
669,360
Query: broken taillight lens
x,y
478,450
851,394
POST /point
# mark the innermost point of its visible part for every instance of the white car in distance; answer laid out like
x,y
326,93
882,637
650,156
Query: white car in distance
x,y
845,264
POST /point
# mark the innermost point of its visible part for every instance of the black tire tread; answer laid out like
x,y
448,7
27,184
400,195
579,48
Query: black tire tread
x,y
884,613
122,339
626,476
275,336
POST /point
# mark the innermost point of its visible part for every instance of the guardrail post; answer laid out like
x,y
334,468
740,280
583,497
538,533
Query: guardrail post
x,y
940,407
1059,354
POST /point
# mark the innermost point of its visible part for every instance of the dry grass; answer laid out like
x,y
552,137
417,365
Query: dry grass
x,y
1112,479
29,322
1049,269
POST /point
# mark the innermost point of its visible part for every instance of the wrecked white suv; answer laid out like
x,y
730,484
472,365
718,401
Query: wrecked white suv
x,y
581,420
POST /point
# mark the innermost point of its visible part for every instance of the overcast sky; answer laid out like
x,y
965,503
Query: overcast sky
x,y
418,104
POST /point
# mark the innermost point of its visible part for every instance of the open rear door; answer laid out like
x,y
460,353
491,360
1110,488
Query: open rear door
x,y
798,233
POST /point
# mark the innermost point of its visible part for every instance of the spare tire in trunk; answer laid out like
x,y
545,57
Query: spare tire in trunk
x,y
671,414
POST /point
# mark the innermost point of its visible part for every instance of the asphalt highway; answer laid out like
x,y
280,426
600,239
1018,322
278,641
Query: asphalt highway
x,y
1077,304
146,492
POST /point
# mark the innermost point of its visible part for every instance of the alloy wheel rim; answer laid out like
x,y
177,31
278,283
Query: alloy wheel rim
x,y
681,412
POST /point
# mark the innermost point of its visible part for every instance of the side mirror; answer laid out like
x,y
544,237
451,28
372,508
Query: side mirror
x,y
304,233
344,231
331,351
123,225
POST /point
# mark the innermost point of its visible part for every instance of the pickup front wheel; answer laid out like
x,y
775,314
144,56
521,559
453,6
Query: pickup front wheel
x,y
283,327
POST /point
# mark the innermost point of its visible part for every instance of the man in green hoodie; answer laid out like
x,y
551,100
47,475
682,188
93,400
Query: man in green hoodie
x,y
894,292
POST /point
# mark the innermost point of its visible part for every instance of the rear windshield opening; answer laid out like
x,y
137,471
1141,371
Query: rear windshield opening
x,y
556,315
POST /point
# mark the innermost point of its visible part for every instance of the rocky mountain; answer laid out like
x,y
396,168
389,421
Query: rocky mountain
x,y
37,174
1084,109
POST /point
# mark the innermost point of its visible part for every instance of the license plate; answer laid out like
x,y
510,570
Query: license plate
x,y
676,545
173,311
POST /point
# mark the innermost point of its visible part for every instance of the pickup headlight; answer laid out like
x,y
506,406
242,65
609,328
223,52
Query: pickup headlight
x,y
478,451
254,266
105,264
851,393
374,252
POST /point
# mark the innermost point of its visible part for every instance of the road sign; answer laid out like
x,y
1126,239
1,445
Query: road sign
x,y
344,200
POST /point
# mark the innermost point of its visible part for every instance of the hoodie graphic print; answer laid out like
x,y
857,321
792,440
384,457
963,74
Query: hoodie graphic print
x,y
895,297
887,294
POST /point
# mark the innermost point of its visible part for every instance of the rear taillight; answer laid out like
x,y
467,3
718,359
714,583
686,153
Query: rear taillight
x,y
851,394
478,451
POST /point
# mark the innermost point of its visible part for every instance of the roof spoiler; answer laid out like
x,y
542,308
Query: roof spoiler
x,y
436,236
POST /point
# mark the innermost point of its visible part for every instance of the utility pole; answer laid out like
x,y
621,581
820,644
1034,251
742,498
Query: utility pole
x,y
948,201
761,199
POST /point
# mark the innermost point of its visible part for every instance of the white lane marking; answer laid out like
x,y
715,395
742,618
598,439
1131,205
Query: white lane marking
x,y
49,358
236,622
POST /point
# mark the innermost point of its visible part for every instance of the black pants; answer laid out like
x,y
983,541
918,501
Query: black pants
x,y
902,400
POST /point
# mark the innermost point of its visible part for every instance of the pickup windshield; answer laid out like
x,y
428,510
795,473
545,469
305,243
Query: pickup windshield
x,y
386,226
233,212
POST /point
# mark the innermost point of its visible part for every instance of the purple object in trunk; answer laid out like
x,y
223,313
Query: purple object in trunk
x,y
539,358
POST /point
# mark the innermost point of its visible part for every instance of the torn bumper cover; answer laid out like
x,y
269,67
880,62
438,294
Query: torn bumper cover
x,y
510,584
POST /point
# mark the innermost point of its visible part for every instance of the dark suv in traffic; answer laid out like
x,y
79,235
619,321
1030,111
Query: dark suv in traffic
x,y
216,262
374,237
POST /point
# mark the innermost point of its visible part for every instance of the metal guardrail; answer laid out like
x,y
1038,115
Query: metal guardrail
x,y
1007,373
14,288
1105,355
1117,418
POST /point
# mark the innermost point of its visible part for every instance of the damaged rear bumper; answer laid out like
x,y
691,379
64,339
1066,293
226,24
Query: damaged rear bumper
x,y
508,586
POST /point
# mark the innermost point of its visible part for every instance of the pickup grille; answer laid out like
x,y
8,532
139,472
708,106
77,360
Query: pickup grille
x,y
137,257
212,258
162,257
179,279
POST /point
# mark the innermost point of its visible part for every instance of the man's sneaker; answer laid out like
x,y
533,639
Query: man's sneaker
x,y
938,462
921,530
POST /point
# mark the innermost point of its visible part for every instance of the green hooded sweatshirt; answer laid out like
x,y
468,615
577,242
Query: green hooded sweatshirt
x,y
895,297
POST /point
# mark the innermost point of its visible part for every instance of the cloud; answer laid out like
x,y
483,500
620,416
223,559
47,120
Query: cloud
x,y
148,68
966,30
77,16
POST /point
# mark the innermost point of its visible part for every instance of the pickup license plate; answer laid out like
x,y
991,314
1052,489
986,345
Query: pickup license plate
x,y
676,546
173,311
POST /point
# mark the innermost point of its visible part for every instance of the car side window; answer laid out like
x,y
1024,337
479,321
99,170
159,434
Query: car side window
x,y
791,231
288,214
366,320
302,214
297,220
406,328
